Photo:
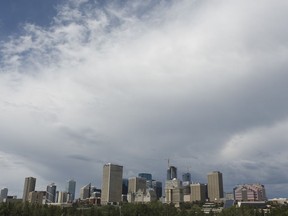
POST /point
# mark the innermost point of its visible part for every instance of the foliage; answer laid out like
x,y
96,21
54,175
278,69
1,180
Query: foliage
x,y
129,209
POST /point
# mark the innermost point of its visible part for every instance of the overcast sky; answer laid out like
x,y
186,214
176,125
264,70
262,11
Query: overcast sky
x,y
204,83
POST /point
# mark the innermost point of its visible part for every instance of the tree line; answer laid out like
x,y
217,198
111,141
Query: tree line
x,y
129,209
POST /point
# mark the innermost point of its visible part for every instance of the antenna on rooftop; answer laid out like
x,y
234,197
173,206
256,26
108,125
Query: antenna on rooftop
x,y
168,161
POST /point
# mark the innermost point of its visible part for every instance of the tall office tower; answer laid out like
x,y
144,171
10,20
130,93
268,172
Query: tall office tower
x,y
135,184
171,173
3,193
36,197
174,192
29,186
85,191
250,192
215,186
186,180
125,186
62,197
111,183
157,186
198,192
51,193
71,188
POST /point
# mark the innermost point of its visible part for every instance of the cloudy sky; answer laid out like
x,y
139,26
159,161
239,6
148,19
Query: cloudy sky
x,y
86,82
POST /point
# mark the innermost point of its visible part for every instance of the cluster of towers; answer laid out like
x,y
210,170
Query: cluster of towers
x,y
141,188
51,195
177,191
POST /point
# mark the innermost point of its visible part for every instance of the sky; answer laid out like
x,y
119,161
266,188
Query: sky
x,y
201,83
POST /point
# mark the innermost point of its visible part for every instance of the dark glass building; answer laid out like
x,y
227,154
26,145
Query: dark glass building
x,y
171,173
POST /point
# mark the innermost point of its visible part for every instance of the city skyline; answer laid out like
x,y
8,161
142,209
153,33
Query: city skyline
x,y
201,84
113,180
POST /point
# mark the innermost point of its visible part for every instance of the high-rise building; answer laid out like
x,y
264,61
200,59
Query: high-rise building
x,y
71,188
62,197
29,186
250,192
51,193
174,192
125,186
135,184
111,183
136,189
85,191
3,193
198,192
215,186
171,173
148,177
37,197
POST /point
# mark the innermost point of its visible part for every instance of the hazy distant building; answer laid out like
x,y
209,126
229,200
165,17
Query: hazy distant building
x,y
186,177
215,186
148,177
51,193
111,184
198,192
85,191
250,192
171,173
29,186
229,195
71,188
125,186
3,193
37,197
157,186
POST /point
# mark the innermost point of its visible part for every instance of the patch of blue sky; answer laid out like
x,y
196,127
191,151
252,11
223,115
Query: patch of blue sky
x,y
14,13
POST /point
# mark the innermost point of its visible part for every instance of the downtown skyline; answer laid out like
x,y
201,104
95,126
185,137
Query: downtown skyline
x,y
86,82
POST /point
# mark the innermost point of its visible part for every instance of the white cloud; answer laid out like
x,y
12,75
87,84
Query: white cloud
x,y
138,83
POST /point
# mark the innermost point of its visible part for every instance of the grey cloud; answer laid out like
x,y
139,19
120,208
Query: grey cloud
x,y
118,83
80,157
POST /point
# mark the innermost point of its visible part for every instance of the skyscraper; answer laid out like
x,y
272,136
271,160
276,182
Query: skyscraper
x,y
85,191
62,197
215,186
171,173
29,186
135,184
125,186
198,192
71,188
111,183
51,193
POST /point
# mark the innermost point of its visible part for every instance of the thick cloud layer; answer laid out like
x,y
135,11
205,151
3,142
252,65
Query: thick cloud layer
x,y
200,82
